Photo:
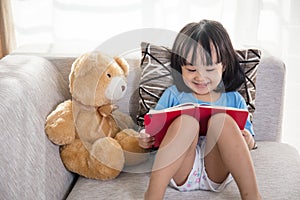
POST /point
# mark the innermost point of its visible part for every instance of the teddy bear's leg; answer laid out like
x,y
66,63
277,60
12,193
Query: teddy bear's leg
x,y
59,126
104,161
134,154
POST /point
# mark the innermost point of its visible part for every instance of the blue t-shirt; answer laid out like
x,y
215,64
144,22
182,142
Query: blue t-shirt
x,y
172,97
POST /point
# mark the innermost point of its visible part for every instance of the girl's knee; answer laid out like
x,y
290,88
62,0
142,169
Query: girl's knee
x,y
184,127
187,122
221,115
221,123
188,119
221,118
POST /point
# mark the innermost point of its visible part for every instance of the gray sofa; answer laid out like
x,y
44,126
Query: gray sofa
x,y
30,165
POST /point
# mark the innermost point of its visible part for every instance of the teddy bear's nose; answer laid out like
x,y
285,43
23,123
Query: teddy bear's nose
x,y
123,88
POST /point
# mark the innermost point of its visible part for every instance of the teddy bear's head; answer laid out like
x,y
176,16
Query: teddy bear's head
x,y
97,79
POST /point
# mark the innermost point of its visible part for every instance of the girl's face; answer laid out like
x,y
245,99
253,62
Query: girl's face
x,y
203,80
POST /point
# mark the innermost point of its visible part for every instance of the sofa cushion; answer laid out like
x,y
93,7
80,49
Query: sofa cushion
x,y
156,76
277,183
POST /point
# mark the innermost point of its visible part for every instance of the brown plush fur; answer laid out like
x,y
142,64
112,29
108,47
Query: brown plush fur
x,y
91,142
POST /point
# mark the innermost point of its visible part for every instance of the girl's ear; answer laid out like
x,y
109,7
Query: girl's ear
x,y
223,68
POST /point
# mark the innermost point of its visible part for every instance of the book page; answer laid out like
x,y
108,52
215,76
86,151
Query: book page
x,y
178,107
192,105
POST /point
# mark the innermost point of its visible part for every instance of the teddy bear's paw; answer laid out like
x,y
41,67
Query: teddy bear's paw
x,y
60,132
134,154
59,125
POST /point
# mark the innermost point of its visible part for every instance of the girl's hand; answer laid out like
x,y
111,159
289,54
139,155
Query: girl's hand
x,y
248,139
145,140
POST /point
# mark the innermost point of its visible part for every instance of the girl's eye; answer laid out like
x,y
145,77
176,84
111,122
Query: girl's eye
x,y
108,75
191,70
210,70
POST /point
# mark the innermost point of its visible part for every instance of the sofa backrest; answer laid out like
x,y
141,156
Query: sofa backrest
x,y
267,120
270,87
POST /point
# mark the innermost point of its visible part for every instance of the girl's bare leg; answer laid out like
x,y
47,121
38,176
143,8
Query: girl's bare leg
x,y
226,151
175,157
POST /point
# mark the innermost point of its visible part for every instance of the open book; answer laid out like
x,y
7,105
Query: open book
x,y
157,121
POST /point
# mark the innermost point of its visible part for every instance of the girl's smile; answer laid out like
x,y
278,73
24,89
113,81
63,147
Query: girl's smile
x,y
201,84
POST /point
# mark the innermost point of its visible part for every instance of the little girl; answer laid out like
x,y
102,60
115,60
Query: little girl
x,y
205,71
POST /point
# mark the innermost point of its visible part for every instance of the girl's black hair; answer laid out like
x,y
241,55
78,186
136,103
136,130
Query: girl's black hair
x,y
193,45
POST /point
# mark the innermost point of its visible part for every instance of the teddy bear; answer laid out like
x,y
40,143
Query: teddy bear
x,y
96,140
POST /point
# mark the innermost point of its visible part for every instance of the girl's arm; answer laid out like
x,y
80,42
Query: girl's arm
x,y
167,99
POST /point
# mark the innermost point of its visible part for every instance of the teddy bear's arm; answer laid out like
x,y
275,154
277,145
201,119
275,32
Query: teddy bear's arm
x,y
60,127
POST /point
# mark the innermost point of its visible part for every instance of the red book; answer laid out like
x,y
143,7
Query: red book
x,y
157,121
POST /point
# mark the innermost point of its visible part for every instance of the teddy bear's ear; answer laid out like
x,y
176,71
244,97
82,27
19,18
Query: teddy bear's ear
x,y
83,64
123,64
80,67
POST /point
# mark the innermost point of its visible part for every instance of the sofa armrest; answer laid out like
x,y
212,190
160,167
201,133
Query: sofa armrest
x,y
30,88
270,85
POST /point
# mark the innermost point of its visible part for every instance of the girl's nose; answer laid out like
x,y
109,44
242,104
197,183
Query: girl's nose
x,y
199,76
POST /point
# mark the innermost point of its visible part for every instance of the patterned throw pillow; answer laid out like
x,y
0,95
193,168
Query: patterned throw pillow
x,y
249,60
156,76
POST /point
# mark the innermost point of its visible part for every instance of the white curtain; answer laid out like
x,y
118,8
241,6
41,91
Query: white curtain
x,y
259,23
7,35
271,25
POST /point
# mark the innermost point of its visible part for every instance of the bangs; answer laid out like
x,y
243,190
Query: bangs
x,y
197,53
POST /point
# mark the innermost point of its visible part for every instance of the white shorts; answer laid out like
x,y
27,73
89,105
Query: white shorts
x,y
198,179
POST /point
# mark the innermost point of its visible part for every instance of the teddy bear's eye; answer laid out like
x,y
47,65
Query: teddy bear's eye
x,y
108,75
